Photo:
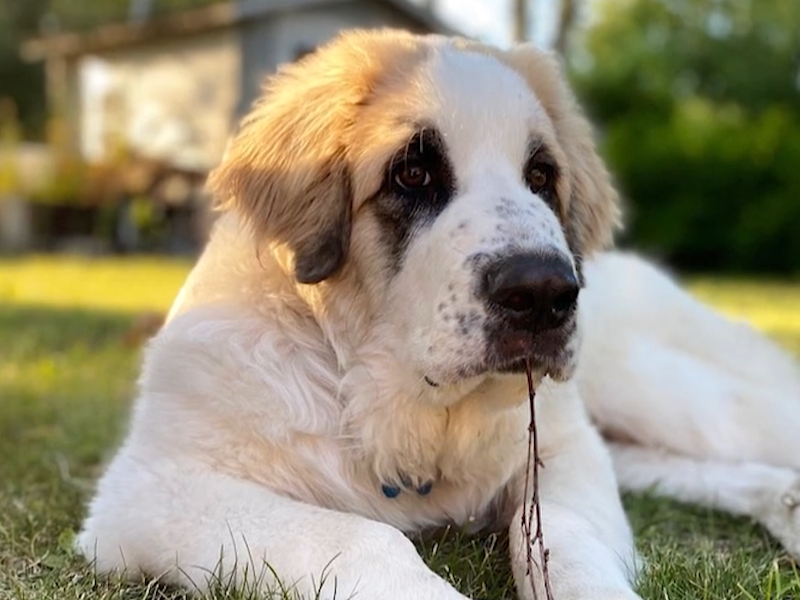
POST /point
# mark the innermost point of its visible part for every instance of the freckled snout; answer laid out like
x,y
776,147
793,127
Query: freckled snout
x,y
531,292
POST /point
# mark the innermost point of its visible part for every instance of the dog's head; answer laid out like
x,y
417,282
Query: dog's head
x,y
455,185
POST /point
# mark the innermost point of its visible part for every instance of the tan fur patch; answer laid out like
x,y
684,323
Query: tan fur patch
x,y
288,170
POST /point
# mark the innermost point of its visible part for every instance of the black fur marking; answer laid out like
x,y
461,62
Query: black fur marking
x,y
402,210
540,160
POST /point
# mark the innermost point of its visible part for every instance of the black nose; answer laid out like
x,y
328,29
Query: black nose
x,y
535,291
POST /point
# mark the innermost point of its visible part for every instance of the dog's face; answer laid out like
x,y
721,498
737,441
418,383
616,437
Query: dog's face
x,y
454,187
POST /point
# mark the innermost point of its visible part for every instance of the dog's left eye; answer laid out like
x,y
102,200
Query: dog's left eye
x,y
539,177
412,176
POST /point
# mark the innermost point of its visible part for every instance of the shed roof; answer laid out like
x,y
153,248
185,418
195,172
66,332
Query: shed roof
x,y
182,23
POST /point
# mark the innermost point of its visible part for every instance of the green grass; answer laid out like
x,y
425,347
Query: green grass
x,y
66,381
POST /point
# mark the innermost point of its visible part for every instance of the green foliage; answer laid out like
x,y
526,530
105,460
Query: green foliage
x,y
699,106
710,187
20,82
9,144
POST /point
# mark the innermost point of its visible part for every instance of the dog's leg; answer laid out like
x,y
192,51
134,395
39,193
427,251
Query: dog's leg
x,y
662,369
770,495
592,555
197,528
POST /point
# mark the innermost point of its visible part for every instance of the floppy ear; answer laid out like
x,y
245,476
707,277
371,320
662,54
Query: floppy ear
x,y
594,209
285,171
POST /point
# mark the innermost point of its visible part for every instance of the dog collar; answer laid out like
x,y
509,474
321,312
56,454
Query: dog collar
x,y
393,491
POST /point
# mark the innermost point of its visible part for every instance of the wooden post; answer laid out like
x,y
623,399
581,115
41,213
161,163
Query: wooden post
x,y
520,21
567,18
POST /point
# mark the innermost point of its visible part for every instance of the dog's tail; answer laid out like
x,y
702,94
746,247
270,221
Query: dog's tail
x,y
663,370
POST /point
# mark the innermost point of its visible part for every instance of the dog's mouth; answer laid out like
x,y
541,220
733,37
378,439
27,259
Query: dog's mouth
x,y
510,351
548,351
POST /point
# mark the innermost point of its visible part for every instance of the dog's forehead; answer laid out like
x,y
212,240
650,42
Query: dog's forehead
x,y
482,107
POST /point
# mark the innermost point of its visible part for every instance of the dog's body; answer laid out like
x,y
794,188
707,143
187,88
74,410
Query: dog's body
x,y
406,222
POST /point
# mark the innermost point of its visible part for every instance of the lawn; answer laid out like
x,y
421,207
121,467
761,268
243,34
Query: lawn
x,y
67,378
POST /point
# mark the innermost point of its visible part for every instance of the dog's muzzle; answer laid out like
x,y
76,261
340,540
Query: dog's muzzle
x,y
531,300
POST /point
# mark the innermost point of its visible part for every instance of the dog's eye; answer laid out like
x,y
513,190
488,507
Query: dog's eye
x,y
539,177
412,176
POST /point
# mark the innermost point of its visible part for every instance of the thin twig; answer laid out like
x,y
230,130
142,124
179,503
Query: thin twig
x,y
535,509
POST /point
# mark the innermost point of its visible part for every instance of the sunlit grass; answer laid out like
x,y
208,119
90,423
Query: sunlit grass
x,y
772,306
67,378
108,284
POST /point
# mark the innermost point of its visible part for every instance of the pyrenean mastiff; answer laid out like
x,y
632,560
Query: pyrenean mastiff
x,y
407,222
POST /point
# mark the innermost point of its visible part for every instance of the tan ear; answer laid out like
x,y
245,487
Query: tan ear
x,y
594,208
286,172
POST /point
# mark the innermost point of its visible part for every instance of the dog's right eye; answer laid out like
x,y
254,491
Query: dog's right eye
x,y
412,177
419,171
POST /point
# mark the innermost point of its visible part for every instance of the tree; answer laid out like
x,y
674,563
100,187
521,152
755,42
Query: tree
x,y
699,106
567,20
742,51
21,83
519,21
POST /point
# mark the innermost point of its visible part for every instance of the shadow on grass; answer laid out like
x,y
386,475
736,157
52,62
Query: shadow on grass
x,y
44,329
66,381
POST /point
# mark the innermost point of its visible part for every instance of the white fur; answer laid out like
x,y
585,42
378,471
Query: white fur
x,y
493,212
270,413
714,388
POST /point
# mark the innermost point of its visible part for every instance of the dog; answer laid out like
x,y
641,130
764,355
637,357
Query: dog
x,y
408,223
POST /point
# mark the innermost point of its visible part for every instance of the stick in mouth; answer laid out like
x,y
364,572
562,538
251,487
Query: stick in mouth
x,y
534,511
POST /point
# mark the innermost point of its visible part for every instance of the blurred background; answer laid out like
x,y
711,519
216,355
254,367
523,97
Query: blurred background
x,y
113,111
